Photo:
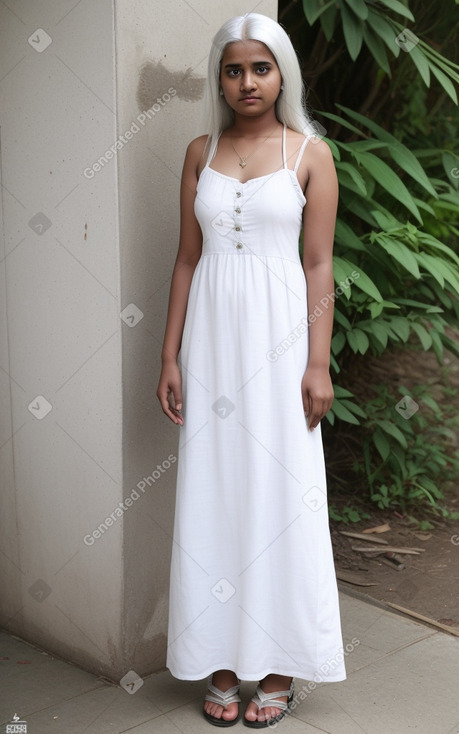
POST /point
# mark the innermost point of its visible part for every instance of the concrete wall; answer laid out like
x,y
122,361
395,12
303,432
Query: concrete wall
x,y
86,258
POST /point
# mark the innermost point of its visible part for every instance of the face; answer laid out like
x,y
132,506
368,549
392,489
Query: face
x,y
250,78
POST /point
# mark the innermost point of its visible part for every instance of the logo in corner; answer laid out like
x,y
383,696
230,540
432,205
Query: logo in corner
x,y
16,726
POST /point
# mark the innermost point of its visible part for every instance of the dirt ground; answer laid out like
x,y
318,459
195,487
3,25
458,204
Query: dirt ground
x,y
428,583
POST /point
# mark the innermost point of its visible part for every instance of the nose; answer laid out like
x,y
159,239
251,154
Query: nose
x,y
248,81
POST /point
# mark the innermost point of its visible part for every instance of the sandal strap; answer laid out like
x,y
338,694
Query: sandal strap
x,y
223,698
263,700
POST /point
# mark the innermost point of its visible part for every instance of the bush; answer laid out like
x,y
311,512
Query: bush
x,y
391,111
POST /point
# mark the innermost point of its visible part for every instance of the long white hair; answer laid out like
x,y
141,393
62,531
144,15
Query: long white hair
x,y
291,102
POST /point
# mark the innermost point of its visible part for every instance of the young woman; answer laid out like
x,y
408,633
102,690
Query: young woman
x,y
245,376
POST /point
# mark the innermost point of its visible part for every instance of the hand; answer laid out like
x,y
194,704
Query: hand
x,y
169,391
317,392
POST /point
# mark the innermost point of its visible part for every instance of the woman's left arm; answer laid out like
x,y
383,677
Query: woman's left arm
x,y
319,220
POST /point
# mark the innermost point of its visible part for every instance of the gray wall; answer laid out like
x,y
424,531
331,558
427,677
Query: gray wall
x,y
86,258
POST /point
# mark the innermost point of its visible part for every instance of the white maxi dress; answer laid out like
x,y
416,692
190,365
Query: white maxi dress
x,y
252,580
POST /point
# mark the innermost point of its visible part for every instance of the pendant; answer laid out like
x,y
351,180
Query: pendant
x,y
242,164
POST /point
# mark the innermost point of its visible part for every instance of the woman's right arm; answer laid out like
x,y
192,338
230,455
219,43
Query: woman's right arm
x,y
169,390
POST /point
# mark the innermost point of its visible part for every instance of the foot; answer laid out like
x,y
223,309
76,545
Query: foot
x,y
269,684
223,679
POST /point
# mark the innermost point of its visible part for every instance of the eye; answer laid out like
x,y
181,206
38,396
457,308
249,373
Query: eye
x,y
263,69
233,72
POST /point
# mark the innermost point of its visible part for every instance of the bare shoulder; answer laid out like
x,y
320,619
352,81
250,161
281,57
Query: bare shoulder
x,y
194,161
319,151
294,138
194,158
195,149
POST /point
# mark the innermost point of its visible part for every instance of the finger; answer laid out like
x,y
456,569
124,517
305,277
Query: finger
x,y
317,413
175,401
177,392
167,408
307,403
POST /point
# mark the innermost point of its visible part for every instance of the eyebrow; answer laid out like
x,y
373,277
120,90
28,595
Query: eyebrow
x,y
255,63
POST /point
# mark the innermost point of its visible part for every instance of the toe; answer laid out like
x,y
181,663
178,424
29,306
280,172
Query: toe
x,y
213,709
230,712
251,711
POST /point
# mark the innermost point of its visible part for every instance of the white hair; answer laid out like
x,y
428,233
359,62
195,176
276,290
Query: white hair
x,y
291,102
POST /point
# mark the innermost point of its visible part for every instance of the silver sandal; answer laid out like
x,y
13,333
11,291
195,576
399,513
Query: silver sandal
x,y
222,698
263,700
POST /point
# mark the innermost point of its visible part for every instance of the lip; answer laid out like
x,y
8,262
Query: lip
x,y
249,99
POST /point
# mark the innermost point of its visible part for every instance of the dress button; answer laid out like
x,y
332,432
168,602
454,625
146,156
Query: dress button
x,y
238,229
237,210
238,194
239,246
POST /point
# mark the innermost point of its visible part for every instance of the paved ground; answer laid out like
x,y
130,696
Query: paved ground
x,y
402,677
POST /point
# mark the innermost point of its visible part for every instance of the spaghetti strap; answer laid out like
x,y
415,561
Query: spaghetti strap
x,y
284,151
303,146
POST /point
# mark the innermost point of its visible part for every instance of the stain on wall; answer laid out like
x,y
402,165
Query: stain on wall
x,y
156,80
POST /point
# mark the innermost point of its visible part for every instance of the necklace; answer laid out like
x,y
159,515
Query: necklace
x,y
243,161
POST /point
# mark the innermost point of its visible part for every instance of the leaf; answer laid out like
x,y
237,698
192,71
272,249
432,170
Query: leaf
x,y
399,152
359,8
401,327
423,334
369,144
327,21
430,264
451,167
376,309
358,206
340,275
354,175
401,253
352,29
393,431
341,319
354,408
384,222
399,8
428,239
337,344
445,82
330,416
313,9
382,444
376,331
418,304
389,180
343,413
346,182
360,279
333,147
377,49
384,30
444,269
334,364
360,339
442,62
341,121
341,392
347,237
419,59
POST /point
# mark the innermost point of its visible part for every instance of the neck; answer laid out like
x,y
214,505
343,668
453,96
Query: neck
x,y
255,126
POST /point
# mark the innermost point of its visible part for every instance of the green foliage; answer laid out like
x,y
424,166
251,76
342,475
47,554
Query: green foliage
x,y
406,459
347,515
392,118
